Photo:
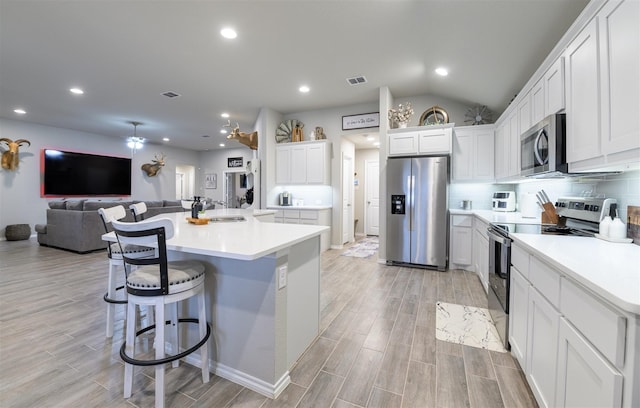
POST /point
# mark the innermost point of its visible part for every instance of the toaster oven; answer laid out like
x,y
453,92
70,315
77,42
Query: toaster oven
x,y
504,201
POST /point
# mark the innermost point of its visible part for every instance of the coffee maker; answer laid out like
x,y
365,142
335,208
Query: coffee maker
x,y
285,198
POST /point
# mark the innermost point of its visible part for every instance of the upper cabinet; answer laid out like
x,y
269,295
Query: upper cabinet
x,y
603,89
553,82
303,163
473,151
414,141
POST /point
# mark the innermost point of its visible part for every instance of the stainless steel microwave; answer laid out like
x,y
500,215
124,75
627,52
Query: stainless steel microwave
x,y
543,148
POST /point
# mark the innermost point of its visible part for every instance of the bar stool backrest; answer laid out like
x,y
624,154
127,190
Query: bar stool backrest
x,y
108,215
138,209
150,233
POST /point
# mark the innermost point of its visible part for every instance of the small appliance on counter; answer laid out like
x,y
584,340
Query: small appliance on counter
x,y
285,199
504,201
529,207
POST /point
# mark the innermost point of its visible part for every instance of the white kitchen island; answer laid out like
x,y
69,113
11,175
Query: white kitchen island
x,y
262,289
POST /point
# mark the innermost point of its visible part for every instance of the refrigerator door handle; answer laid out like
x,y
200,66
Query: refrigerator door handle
x,y
411,180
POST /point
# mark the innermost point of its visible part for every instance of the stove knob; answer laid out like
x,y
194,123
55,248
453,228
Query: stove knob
x,y
595,208
587,207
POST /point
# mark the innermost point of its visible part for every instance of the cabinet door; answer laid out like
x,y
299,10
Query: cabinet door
x,y
461,245
298,164
501,161
542,348
435,141
554,88
619,36
514,146
524,114
585,378
518,316
483,158
403,143
316,164
283,165
537,102
582,96
481,256
463,155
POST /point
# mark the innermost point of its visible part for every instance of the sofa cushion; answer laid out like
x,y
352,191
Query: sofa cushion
x,y
58,205
151,204
172,203
94,205
75,205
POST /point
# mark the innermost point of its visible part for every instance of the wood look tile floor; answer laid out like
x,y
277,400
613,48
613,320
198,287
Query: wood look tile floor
x,y
377,346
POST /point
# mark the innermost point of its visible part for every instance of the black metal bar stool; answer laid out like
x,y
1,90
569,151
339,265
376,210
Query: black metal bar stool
x,y
157,282
115,252
138,210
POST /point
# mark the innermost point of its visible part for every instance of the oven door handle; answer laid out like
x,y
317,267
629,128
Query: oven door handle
x,y
498,238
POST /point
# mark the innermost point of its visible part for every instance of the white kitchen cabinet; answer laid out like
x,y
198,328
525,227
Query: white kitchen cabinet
x,y
585,377
537,102
435,140
542,347
583,106
299,215
554,88
303,163
461,241
518,316
619,40
501,150
514,146
481,251
473,153
524,114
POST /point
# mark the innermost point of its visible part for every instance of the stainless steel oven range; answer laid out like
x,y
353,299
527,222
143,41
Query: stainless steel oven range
x,y
581,218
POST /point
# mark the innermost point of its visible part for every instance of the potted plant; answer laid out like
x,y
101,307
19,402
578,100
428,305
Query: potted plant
x,y
400,117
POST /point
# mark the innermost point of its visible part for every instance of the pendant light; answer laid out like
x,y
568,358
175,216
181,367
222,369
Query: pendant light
x,y
134,142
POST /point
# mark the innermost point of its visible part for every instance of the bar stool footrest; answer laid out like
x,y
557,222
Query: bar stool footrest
x,y
168,359
116,301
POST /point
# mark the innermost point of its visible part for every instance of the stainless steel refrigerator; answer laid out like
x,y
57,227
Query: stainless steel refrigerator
x,y
417,214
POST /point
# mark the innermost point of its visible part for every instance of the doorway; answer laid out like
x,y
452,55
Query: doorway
x,y
185,182
372,197
347,199
234,189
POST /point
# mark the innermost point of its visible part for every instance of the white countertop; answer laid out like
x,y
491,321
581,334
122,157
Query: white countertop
x,y
609,269
244,240
299,207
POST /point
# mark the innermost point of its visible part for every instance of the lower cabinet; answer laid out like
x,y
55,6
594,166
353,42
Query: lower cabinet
x,y
460,248
578,352
481,252
518,316
587,378
542,348
308,217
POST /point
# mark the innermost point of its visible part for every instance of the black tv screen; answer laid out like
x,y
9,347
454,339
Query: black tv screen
x,y
81,174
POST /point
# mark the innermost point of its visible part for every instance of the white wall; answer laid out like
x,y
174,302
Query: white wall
x,y
20,200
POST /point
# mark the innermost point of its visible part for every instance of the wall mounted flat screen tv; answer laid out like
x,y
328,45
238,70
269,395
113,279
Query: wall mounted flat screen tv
x,y
81,174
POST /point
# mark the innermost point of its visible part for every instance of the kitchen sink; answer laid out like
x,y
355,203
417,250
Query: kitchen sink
x,y
228,219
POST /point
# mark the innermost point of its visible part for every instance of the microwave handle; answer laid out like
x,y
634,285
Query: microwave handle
x,y
535,148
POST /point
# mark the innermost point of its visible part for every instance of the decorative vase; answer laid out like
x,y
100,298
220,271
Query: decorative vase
x,y
401,125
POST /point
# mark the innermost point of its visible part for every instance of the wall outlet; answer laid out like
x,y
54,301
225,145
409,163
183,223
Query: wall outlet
x,y
282,276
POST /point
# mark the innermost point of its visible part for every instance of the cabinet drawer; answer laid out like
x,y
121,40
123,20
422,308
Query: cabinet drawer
x,y
602,325
278,219
461,221
520,259
545,279
404,143
279,214
435,143
308,221
292,213
309,215
291,220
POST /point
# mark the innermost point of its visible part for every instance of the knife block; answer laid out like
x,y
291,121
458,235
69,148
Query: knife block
x,y
545,219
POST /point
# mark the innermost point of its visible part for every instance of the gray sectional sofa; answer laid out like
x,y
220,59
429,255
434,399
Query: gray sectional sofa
x,y
75,225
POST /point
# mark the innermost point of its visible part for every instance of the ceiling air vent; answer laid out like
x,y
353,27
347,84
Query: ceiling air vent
x,y
170,94
357,80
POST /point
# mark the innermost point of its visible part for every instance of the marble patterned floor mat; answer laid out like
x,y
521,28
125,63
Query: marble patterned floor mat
x,y
471,326
363,248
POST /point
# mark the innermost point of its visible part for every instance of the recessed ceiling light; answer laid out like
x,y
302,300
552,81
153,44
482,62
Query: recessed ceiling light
x,y
229,33
20,111
223,131
376,144
224,115
166,139
304,89
370,138
442,71
76,91
221,144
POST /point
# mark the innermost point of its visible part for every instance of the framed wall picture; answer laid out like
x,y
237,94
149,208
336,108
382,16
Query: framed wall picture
x,y
210,181
361,121
235,162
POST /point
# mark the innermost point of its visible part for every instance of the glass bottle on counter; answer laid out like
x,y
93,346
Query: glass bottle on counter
x,y
196,207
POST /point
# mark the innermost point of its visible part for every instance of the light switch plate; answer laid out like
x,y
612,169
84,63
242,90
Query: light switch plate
x,y
282,276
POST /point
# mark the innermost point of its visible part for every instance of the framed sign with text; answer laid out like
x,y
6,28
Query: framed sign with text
x,y
361,121
234,162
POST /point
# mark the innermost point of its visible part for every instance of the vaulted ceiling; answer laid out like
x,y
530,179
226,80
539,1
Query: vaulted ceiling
x,y
126,54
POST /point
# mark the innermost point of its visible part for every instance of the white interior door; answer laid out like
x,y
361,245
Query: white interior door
x,y
179,186
347,199
372,197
